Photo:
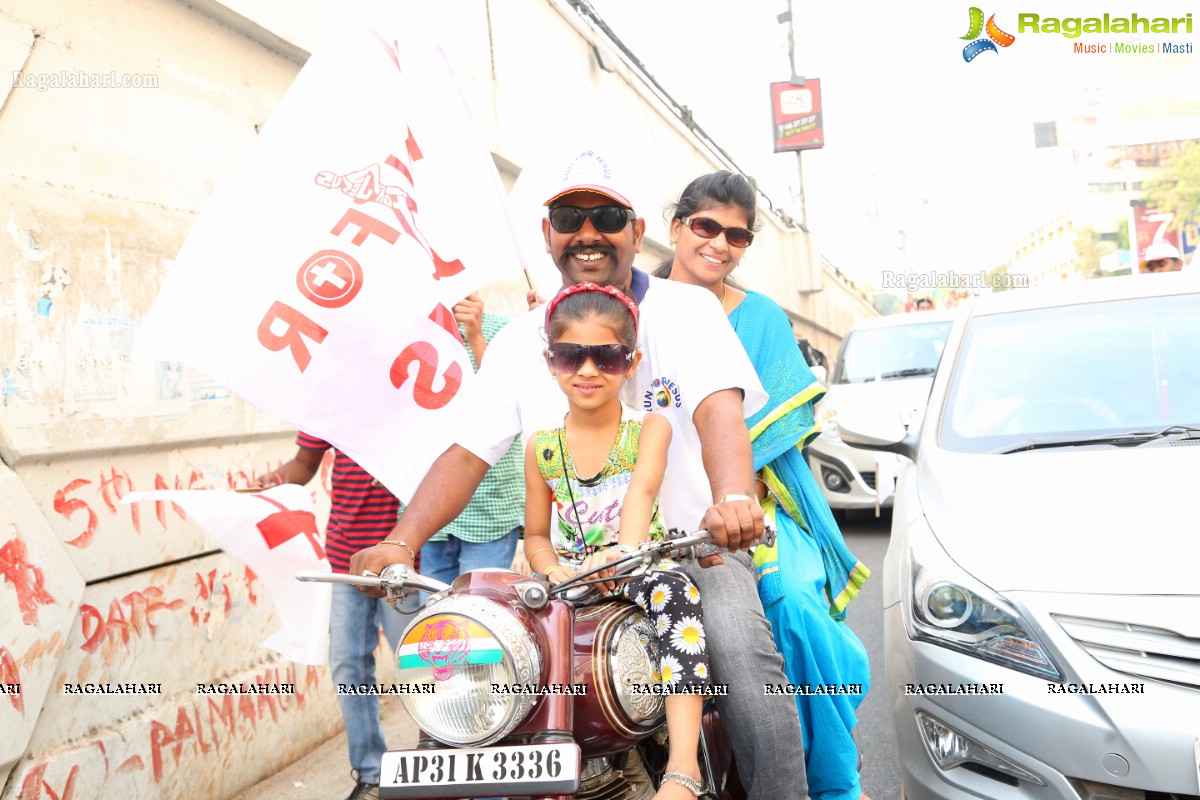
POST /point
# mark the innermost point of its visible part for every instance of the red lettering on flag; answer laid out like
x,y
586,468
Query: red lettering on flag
x,y
426,356
367,225
444,318
299,326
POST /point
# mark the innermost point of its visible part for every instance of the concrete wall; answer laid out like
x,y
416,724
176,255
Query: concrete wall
x,y
98,188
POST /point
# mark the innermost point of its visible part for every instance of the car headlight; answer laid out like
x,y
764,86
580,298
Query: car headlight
x,y
451,655
952,609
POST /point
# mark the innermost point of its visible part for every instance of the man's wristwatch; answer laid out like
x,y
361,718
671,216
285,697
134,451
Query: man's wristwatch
x,y
727,497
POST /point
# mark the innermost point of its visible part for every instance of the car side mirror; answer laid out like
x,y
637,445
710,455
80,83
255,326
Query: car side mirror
x,y
879,431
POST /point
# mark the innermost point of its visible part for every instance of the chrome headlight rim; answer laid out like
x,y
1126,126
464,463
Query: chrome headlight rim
x,y
517,646
928,567
626,669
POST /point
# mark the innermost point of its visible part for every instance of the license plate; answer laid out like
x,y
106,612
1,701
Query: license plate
x,y
480,772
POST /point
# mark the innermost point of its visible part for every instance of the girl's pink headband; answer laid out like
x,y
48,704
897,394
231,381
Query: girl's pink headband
x,y
567,291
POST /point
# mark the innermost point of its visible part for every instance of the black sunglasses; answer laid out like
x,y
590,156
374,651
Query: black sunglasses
x,y
614,359
605,219
709,229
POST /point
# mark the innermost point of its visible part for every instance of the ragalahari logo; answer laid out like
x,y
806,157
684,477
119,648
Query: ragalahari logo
x,y
995,36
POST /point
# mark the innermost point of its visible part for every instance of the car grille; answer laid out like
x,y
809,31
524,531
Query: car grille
x,y
869,479
1102,791
1154,653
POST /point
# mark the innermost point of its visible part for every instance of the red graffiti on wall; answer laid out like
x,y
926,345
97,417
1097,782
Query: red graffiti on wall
x,y
117,627
10,676
26,579
35,782
227,716
250,578
208,587
114,484
67,509
160,506
113,487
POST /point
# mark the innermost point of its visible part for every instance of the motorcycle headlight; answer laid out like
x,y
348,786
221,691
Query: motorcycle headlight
x,y
952,609
451,655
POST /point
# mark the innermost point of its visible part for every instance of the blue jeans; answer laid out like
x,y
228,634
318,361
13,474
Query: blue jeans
x,y
354,622
445,561
765,733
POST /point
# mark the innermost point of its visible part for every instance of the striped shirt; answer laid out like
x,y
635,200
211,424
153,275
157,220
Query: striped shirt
x,y
361,513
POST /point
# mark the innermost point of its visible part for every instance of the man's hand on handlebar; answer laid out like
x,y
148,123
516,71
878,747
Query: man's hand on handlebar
x,y
374,560
735,524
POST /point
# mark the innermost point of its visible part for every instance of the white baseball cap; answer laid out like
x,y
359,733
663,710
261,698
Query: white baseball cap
x,y
590,170
1160,250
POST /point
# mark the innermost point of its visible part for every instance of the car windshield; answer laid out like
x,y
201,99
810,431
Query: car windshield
x,y
1062,374
899,351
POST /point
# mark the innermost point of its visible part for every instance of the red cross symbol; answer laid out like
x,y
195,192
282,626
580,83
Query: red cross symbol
x,y
286,524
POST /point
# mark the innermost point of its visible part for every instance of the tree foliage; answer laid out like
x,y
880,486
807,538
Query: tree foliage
x,y
1178,190
1088,250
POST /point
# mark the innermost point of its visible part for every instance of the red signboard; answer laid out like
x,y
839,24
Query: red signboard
x,y
796,108
1151,225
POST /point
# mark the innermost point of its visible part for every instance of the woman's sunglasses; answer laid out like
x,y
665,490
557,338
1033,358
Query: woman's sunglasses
x,y
709,229
613,359
605,219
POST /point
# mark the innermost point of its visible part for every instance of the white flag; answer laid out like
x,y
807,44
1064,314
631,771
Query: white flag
x,y
317,282
275,534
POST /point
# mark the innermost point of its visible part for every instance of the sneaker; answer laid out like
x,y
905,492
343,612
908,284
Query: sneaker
x,y
362,790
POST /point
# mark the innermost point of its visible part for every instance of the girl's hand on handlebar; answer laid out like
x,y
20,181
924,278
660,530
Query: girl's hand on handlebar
x,y
558,573
596,560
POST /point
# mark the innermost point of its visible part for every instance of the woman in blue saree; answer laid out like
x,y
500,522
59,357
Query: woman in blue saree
x,y
808,577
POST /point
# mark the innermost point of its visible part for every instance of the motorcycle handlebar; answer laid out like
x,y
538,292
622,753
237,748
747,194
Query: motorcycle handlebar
x,y
698,545
395,580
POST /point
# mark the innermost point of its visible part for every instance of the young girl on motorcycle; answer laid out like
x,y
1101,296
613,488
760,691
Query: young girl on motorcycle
x,y
600,472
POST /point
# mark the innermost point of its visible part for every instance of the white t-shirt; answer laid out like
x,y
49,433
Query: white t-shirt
x,y
689,351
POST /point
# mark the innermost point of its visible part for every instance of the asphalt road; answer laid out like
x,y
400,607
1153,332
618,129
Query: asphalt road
x,y
868,539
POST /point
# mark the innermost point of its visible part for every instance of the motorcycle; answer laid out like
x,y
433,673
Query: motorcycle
x,y
522,689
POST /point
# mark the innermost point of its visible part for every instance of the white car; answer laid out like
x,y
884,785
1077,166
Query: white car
x,y
886,364
1041,588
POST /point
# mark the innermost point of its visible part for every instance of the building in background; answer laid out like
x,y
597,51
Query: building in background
x,y
1093,164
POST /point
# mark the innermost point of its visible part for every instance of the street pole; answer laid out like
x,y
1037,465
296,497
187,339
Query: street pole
x,y
798,81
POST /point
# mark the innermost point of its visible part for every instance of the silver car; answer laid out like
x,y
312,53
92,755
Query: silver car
x,y
1042,583
886,363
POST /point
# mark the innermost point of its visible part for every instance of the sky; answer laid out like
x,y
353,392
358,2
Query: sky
x,y
917,139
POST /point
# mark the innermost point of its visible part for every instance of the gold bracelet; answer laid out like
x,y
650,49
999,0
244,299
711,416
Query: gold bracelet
x,y
535,552
411,553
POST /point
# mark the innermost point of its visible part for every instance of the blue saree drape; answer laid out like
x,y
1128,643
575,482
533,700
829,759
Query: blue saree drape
x,y
808,577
